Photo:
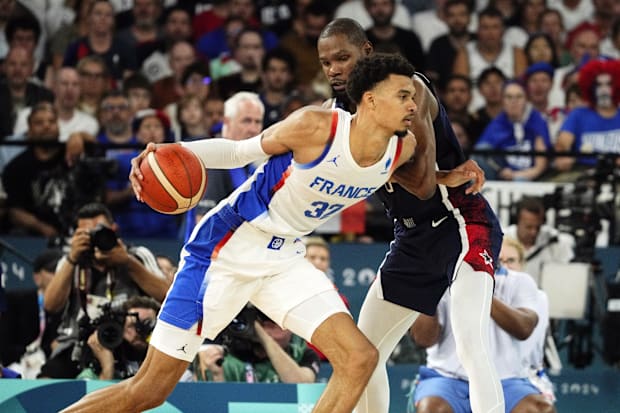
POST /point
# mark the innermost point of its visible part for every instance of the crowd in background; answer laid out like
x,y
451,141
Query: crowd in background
x,y
88,83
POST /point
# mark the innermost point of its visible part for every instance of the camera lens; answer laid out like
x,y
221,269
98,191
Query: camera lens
x,y
103,238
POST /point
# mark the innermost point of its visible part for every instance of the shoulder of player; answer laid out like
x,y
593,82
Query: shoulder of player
x,y
425,100
310,121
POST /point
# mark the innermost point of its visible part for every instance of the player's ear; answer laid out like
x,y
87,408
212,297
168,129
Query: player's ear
x,y
369,99
367,48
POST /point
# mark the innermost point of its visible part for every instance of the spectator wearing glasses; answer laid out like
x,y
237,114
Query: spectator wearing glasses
x,y
94,83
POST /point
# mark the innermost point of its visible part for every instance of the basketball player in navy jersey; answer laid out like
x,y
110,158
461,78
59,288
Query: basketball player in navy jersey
x,y
248,247
449,238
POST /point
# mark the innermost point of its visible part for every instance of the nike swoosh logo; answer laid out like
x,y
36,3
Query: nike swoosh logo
x,y
437,223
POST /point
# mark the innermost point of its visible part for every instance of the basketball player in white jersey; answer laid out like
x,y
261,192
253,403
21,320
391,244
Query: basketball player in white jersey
x,y
248,248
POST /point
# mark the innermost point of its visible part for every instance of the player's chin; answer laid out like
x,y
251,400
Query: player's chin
x,y
401,133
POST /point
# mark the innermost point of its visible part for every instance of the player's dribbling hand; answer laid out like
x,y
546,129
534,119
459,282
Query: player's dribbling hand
x,y
477,175
135,176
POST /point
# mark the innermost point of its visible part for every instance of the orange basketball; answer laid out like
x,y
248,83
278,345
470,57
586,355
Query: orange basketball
x,y
174,179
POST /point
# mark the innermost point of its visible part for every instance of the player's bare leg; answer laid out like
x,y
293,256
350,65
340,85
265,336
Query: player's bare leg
x,y
149,388
353,359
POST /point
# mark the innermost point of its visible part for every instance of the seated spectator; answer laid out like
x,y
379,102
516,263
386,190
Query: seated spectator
x,y
111,273
592,129
169,89
551,23
534,347
101,41
139,91
69,31
94,83
520,128
542,243
248,52
490,84
444,47
17,91
39,188
177,27
144,33
214,114
136,321
25,31
538,79
196,80
278,68
540,49
26,330
443,384
258,351
583,43
489,49
191,119
67,98
150,125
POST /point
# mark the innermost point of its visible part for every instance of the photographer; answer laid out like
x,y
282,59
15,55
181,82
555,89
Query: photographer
x,y
97,269
257,350
113,360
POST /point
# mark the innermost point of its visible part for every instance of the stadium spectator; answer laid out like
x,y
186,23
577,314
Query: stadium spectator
x,y
301,40
248,52
551,24
583,44
191,118
444,48
490,84
102,41
17,91
278,68
388,38
521,128
40,195
592,129
539,48
489,49
169,89
139,92
67,98
177,27
94,83
143,35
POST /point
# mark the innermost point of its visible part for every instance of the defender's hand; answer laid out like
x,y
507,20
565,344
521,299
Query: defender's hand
x,y
135,176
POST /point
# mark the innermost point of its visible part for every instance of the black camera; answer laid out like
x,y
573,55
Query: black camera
x,y
110,326
103,237
240,338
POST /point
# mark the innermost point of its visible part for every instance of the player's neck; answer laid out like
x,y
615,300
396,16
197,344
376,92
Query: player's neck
x,y
368,141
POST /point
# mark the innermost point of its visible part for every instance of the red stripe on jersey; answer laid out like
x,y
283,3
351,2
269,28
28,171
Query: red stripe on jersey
x,y
282,180
220,245
199,329
399,149
332,132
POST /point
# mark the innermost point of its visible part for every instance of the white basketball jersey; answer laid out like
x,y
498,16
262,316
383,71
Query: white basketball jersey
x,y
287,198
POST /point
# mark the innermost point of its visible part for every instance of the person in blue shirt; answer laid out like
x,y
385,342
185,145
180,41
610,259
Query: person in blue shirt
x,y
519,127
595,128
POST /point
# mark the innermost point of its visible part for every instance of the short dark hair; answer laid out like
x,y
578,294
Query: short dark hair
x,y
26,22
347,27
136,81
47,260
462,78
371,70
280,54
198,67
140,301
43,106
450,3
531,204
491,12
94,209
482,77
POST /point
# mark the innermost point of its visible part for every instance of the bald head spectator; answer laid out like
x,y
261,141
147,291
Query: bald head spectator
x,y
67,98
17,91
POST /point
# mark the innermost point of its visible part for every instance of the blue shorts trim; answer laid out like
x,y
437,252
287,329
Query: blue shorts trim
x,y
456,392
